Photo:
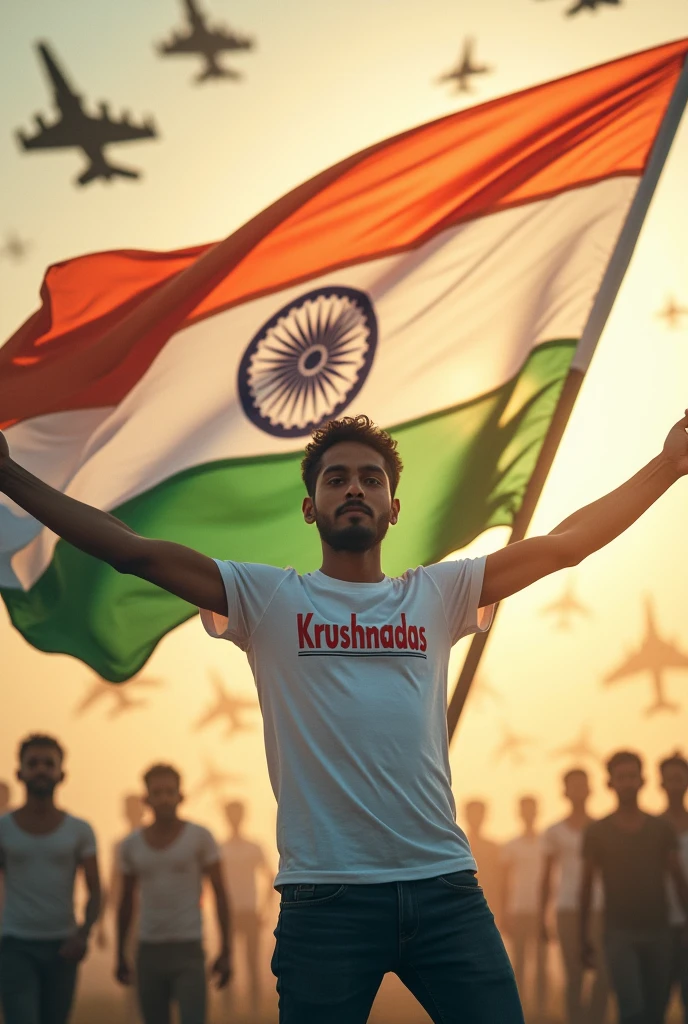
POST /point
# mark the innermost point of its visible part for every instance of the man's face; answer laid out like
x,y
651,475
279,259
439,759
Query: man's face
x,y
626,780
163,796
675,780
40,770
576,788
353,505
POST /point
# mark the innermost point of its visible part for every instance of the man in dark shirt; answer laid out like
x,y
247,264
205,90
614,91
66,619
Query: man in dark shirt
x,y
634,852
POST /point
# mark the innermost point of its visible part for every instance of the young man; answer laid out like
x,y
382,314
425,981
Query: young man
x,y
351,669
41,850
523,861
674,779
487,854
167,861
245,868
635,854
562,847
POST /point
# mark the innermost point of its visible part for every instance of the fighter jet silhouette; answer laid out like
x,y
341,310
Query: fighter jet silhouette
x,y
214,780
227,706
199,38
15,248
655,656
465,68
75,128
119,693
580,748
512,744
673,313
565,607
591,5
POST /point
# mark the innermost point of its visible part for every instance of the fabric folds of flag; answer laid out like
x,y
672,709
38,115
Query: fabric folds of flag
x,y
439,282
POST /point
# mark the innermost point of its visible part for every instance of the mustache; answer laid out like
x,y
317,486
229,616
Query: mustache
x,y
353,506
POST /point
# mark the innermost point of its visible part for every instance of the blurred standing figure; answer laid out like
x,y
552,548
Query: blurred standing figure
x,y
674,778
563,850
42,847
523,862
635,853
488,856
243,861
5,797
168,860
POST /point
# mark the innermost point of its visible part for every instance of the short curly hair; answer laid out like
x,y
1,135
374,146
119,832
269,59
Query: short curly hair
x,y
40,739
624,757
350,428
157,770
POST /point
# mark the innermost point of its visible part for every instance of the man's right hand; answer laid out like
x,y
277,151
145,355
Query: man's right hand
x,y
124,972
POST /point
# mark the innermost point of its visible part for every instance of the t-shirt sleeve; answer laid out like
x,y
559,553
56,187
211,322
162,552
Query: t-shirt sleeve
x,y
125,860
249,587
460,583
86,841
208,849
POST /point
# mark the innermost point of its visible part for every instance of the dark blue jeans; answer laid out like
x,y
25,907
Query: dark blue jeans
x,y
335,943
36,983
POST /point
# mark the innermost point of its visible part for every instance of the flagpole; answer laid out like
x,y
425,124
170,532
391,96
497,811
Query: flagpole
x,y
602,306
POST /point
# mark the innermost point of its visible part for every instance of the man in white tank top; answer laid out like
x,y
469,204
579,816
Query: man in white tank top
x,y
41,850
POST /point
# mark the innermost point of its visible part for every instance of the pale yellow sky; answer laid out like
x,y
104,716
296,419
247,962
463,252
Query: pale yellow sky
x,y
326,80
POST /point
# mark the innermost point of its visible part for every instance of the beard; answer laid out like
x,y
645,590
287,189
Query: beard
x,y
41,787
354,537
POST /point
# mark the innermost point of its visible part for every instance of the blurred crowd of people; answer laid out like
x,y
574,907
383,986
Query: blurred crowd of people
x,y
612,893
161,873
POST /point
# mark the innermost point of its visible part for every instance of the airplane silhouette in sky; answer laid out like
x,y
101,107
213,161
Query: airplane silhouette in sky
x,y
74,128
512,744
465,68
15,247
673,313
654,656
565,608
590,5
120,695
200,38
214,780
580,748
227,706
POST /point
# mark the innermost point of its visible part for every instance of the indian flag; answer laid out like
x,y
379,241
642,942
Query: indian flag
x,y
439,282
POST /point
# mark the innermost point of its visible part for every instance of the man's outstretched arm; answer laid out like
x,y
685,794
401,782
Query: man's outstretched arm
x,y
518,565
178,569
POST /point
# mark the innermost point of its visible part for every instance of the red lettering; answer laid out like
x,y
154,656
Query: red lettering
x,y
400,634
387,636
345,639
413,638
331,641
372,636
319,630
303,624
423,641
355,631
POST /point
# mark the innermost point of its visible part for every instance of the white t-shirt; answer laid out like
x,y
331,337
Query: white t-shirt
x,y
39,877
524,857
566,844
170,882
240,860
352,682
676,915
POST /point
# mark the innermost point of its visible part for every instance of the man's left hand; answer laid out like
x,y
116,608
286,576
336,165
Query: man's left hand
x,y
222,970
74,948
676,446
